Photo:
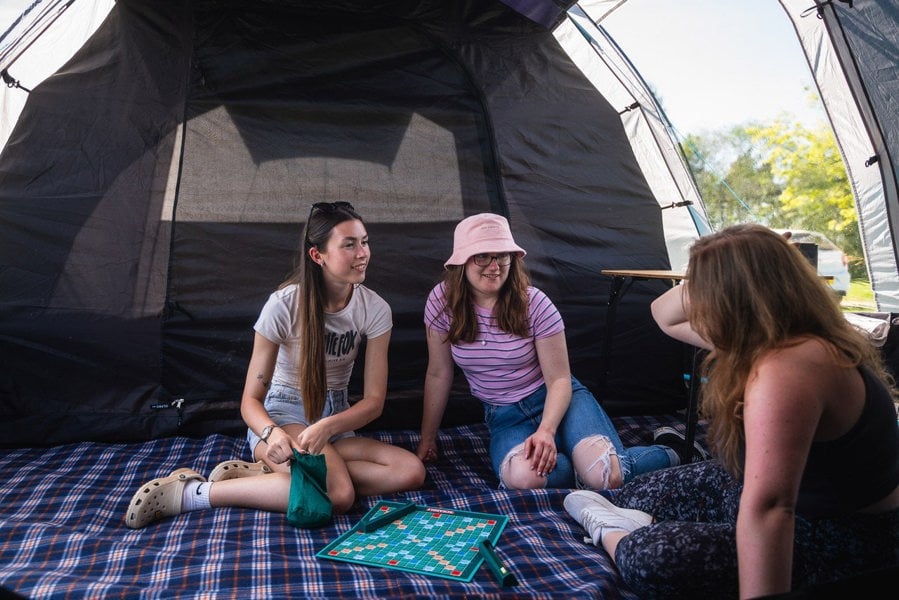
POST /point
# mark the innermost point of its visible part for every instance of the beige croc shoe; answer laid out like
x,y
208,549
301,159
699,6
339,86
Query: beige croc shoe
x,y
159,498
232,469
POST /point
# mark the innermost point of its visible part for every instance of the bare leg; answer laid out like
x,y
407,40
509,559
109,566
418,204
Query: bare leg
x,y
356,465
516,472
341,488
596,463
610,542
377,468
264,493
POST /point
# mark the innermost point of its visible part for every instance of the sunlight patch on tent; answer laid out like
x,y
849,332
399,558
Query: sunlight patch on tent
x,y
228,185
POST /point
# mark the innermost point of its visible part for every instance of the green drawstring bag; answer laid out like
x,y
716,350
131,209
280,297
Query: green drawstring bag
x,y
308,505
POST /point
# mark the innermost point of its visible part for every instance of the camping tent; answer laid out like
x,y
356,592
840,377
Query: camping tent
x,y
153,186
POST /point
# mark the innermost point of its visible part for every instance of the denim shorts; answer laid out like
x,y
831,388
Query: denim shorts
x,y
285,407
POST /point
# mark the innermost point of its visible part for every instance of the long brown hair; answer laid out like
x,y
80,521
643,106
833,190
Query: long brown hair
x,y
751,291
511,309
313,384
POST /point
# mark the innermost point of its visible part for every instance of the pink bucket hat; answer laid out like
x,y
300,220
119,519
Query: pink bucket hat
x,y
484,233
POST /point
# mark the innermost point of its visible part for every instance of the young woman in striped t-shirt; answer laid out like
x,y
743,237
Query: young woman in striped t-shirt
x,y
546,429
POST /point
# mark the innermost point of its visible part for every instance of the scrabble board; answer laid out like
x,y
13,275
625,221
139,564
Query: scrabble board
x,y
429,541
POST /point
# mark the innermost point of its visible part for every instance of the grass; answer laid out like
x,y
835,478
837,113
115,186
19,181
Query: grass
x,y
860,297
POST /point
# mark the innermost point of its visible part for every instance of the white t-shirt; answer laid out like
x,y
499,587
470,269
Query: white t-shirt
x,y
366,314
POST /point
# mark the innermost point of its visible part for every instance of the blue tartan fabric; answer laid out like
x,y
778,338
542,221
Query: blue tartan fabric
x,y
62,530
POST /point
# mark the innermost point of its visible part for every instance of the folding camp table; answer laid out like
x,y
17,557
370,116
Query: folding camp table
x,y
617,289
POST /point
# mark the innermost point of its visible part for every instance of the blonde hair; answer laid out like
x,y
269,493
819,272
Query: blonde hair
x,y
752,291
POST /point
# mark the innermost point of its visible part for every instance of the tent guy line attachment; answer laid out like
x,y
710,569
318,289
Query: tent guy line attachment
x,y
678,204
12,82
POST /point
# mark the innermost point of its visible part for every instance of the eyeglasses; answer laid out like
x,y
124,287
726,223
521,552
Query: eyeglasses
x,y
484,260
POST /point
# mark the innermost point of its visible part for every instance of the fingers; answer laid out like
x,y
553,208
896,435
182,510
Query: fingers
x,y
309,442
279,453
307,449
278,448
304,446
544,460
529,451
281,446
427,453
540,450
547,466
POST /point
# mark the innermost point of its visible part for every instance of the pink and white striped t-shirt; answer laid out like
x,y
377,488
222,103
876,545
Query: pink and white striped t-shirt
x,y
500,368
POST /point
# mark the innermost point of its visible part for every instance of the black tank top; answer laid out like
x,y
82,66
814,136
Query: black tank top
x,y
858,468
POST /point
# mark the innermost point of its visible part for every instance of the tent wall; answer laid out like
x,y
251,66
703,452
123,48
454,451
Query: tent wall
x,y
30,51
853,52
154,189
648,129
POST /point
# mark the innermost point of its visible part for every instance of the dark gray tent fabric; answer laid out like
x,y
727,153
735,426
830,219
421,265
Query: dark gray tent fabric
x,y
153,192
871,29
864,33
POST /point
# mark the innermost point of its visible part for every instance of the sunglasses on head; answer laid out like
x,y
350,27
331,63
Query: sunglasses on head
x,y
331,207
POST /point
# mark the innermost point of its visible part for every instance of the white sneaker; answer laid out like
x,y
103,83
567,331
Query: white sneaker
x,y
596,514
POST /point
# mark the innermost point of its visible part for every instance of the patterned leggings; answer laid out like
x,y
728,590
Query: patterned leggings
x,y
691,552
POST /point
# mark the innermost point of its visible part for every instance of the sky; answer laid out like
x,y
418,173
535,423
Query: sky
x,y
713,64
718,63
10,11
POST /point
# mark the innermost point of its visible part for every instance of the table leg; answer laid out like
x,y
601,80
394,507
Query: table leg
x,y
692,415
614,295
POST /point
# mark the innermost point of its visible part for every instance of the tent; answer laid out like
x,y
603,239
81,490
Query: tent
x,y
852,47
154,183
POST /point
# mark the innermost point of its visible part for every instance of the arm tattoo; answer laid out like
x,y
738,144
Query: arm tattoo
x,y
262,380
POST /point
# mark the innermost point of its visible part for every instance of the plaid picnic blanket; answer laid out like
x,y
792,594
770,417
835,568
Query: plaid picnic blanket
x,y
62,530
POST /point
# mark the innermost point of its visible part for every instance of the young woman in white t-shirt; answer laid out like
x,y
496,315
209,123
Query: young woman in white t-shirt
x,y
295,396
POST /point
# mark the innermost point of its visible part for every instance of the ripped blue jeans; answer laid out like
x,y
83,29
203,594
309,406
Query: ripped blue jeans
x,y
510,425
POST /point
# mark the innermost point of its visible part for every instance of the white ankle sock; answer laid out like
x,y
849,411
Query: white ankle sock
x,y
195,496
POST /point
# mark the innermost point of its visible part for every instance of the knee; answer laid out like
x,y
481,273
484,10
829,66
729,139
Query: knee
x,y
597,464
412,473
515,472
342,498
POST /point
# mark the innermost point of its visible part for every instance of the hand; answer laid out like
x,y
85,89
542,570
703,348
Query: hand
x,y
427,451
279,447
540,449
312,439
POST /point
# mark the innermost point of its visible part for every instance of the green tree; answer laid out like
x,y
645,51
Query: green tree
x,y
783,175
816,194
745,192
